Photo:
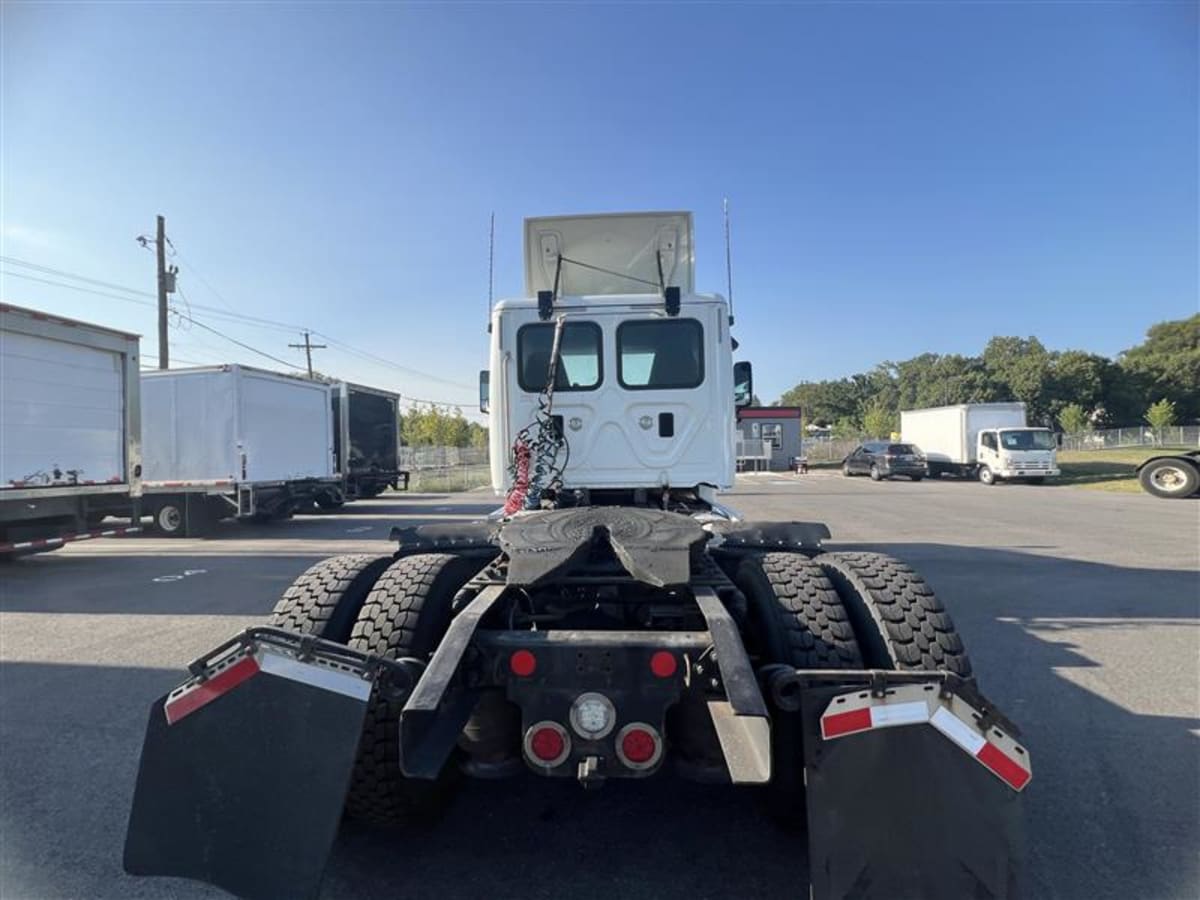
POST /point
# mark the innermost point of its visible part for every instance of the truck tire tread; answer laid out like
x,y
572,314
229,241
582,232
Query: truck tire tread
x,y
898,620
808,617
406,614
326,599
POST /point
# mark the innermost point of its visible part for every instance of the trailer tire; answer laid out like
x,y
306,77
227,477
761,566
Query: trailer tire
x,y
897,619
406,614
328,500
326,599
1170,477
170,520
797,619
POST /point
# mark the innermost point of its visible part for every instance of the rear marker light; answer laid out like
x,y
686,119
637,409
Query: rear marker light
x,y
639,746
522,663
547,744
663,664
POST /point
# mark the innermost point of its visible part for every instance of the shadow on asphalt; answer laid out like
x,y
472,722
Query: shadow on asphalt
x,y
1111,811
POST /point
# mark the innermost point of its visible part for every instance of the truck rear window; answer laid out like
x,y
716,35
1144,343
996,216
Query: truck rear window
x,y
660,354
580,367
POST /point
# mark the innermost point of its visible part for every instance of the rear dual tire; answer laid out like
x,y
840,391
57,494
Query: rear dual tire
x,y
392,608
838,611
406,614
798,620
897,619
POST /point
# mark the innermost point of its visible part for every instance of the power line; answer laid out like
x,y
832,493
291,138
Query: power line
x,y
72,287
245,346
241,318
13,261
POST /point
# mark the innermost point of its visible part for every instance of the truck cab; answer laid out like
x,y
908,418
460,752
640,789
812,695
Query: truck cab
x,y
643,391
1025,453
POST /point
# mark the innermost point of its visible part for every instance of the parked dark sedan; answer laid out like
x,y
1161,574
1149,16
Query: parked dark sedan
x,y
880,460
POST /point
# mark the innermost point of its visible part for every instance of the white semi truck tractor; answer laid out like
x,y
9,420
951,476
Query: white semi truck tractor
x,y
610,621
988,441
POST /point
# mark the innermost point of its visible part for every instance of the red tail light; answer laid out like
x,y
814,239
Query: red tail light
x,y
663,664
522,663
639,746
547,744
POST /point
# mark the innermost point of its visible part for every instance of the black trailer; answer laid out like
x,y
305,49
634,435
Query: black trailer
x,y
366,444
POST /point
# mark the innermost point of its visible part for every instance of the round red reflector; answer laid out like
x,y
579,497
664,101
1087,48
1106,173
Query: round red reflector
x,y
547,744
663,664
522,663
638,745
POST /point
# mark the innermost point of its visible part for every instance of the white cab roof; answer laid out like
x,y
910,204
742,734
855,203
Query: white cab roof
x,y
626,246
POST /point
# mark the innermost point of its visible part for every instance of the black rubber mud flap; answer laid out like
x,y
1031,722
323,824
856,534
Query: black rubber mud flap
x,y
245,789
903,812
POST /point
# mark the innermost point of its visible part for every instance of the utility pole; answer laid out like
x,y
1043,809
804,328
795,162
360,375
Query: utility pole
x,y
161,244
308,347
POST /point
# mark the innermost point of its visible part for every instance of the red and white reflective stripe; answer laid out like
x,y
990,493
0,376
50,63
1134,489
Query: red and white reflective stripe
x,y
918,704
1006,767
195,694
66,539
205,692
866,718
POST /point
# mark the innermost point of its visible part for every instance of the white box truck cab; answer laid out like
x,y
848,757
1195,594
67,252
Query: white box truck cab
x,y
645,365
988,441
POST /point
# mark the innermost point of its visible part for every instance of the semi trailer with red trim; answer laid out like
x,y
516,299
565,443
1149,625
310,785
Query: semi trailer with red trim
x,y
70,438
612,620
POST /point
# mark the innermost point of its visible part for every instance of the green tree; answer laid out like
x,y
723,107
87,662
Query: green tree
x,y
878,419
1167,364
436,426
1074,419
1023,367
1160,415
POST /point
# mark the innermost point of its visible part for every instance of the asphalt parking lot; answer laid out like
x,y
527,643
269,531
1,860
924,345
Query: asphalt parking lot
x,y
1081,610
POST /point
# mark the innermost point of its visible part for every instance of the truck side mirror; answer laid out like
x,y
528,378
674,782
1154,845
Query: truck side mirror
x,y
485,380
743,384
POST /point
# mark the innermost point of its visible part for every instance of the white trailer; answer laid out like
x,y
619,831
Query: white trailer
x,y
69,429
988,441
233,441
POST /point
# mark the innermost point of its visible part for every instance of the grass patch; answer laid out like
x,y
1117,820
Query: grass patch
x,y
449,480
1105,470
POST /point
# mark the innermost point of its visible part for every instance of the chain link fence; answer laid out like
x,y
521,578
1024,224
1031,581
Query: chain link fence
x,y
1138,436
445,469
829,450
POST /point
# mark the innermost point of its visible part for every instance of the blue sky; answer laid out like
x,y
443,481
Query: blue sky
x,y
904,177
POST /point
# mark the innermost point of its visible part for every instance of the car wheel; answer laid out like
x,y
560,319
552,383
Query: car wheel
x,y
986,475
876,475
846,470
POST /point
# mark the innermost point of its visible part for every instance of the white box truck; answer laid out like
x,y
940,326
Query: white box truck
x,y
69,434
233,441
988,441
366,444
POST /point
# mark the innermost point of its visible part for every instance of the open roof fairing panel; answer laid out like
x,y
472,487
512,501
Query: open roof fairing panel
x,y
626,245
